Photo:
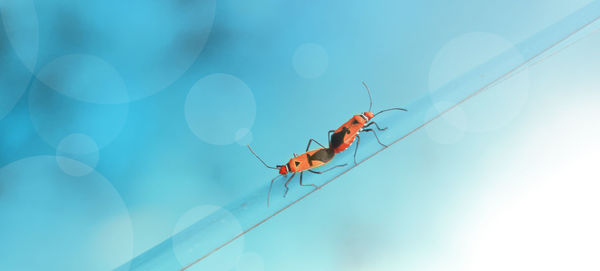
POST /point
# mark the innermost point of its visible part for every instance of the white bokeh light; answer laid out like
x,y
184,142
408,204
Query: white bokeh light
x,y
467,52
218,107
538,209
551,221
310,60
77,154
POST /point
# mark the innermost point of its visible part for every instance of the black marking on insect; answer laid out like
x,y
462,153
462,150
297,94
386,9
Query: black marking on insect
x,y
337,139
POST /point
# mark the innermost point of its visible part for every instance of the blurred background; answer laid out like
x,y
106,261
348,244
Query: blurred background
x,y
123,123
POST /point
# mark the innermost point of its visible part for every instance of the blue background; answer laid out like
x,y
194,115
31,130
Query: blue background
x,y
122,77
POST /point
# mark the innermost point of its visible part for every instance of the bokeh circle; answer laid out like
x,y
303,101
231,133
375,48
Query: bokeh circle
x,y
200,230
77,154
55,221
19,39
85,78
500,103
219,107
310,60
150,48
244,137
55,114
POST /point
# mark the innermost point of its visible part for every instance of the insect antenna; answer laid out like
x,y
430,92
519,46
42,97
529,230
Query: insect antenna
x,y
385,110
370,98
259,158
271,186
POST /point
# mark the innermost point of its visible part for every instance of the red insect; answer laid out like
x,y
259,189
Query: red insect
x,y
300,163
344,136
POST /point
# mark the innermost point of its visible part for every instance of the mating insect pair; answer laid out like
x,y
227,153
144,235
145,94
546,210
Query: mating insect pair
x,y
339,140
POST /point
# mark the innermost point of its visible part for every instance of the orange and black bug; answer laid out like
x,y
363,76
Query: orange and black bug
x,y
300,163
343,137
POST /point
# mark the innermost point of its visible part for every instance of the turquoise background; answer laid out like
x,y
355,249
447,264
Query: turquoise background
x,y
157,135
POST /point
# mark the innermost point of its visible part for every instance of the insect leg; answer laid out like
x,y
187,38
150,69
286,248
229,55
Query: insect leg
x,y
378,128
321,172
356,148
310,141
371,130
301,184
271,186
286,185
